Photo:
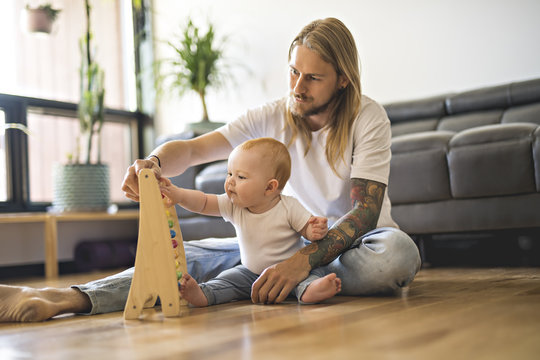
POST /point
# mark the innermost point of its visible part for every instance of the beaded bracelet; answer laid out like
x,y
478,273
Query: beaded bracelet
x,y
158,161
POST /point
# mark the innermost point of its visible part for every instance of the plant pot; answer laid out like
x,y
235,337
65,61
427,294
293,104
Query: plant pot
x,y
203,127
38,20
81,187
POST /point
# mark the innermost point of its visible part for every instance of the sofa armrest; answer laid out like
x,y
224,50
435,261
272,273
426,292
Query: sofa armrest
x,y
418,170
495,160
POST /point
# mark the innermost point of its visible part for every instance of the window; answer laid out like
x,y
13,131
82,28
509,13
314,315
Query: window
x,y
26,173
40,90
53,140
47,65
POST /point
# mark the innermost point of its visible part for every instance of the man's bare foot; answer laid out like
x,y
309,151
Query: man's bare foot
x,y
190,290
322,289
23,304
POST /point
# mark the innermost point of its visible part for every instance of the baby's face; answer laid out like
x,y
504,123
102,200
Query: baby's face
x,y
247,178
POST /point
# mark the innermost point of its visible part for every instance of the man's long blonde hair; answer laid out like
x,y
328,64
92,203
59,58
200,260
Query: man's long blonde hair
x,y
334,43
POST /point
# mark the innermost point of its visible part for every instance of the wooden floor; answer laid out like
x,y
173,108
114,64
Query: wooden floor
x,y
444,314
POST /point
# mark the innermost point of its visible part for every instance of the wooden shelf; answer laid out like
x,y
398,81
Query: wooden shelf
x,y
50,222
23,218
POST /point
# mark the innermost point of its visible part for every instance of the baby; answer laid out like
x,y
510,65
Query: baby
x,y
269,225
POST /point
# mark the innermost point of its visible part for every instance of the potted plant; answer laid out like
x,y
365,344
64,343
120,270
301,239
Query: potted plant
x,y
83,185
41,18
198,64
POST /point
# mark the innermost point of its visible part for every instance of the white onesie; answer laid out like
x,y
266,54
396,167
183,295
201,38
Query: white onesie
x,y
268,238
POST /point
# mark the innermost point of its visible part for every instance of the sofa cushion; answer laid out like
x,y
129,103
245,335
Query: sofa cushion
x,y
466,121
536,157
495,97
525,92
525,113
416,110
493,133
422,141
492,161
411,127
418,170
212,178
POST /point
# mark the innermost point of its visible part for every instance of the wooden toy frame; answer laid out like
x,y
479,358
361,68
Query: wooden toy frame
x,y
155,272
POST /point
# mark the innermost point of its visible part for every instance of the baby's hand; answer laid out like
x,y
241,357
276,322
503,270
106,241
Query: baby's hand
x,y
317,228
163,182
166,188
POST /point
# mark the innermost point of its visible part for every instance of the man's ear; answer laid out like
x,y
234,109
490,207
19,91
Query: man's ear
x,y
272,186
342,82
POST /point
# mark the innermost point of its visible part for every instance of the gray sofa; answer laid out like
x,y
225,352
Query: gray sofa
x,y
467,162
462,163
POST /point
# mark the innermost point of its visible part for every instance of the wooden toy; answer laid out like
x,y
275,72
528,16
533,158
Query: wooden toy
x,y
158,264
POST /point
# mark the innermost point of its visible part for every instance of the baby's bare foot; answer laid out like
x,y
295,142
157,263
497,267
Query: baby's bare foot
x,y
322,289
190,290
26,304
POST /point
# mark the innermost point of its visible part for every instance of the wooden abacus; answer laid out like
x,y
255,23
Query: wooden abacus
x,y
158,265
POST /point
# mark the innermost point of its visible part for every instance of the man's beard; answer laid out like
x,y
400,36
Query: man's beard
x,y
295,108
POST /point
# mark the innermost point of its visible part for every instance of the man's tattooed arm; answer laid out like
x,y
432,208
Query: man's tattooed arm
x,y
367,198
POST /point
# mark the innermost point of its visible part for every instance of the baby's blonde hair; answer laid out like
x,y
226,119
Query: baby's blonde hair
x,y
275,154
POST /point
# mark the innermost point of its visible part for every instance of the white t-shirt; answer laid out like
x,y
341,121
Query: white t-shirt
x,y
268,238
312,180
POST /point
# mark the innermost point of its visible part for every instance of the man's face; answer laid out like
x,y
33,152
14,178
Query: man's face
x,y
313,82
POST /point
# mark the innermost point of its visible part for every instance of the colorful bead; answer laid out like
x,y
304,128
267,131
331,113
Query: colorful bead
x,y
170,222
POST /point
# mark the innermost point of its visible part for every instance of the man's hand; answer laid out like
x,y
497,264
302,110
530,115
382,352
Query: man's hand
x,y
277,281
176,156
130,185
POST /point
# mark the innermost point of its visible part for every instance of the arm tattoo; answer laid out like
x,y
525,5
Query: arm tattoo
x,y
367,198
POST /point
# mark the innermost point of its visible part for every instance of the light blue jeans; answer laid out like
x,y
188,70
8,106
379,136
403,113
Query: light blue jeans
x,y
381,261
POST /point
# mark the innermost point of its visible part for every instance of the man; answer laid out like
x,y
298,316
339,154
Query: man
x,y
339,142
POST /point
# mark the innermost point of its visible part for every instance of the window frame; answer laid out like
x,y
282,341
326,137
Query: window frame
x,y
16,108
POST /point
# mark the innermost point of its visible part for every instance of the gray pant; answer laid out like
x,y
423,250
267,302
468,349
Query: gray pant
x,y
381,261
235,284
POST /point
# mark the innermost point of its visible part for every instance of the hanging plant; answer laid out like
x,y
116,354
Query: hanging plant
x,y
41,18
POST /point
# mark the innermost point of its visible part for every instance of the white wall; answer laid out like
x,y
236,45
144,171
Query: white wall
x,y
408,49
